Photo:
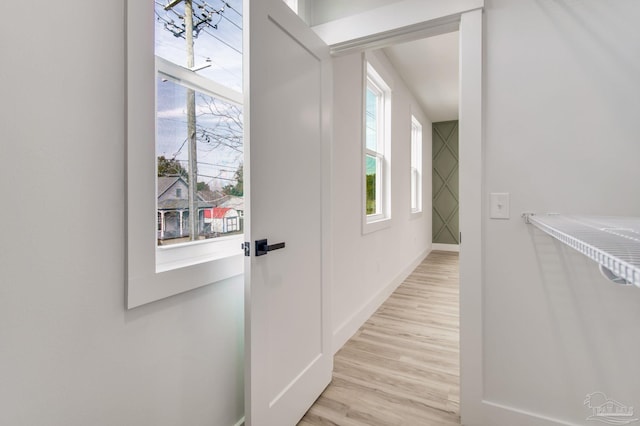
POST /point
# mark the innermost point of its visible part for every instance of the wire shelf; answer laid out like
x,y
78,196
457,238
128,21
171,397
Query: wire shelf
x,y
613,242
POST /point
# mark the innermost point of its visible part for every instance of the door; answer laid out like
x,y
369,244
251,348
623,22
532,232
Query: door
x,y
287,107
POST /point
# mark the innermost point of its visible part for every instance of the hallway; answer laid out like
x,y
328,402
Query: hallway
x,y
402,366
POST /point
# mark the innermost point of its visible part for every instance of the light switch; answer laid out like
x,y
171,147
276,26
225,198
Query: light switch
x,y
499,205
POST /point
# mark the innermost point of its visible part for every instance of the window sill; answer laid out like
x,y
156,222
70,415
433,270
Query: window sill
x,y
192,253
369,226
151,286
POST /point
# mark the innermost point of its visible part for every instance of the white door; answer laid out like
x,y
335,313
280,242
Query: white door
x,y
287,107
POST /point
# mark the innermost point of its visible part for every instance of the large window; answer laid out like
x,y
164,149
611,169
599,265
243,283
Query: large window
x,y
198,117
184,145
416,165
376,148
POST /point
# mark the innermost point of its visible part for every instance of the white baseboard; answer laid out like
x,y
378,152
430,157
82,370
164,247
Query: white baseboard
x,y
502,415
445,247
349,327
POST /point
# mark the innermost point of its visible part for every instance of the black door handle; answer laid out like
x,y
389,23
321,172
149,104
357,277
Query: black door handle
x,y
263,247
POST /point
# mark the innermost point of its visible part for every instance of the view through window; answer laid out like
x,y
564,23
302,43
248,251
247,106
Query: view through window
x,y
199,126
416,165
377,207
374,149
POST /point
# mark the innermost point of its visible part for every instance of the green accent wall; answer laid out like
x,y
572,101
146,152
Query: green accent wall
x,y
445,182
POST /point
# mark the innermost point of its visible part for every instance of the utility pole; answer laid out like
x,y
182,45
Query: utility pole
x,y
192,173
191,28
191,127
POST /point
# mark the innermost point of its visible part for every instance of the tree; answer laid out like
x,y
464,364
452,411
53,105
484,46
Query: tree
x,y
371,194
237,188
224,125
203,186
171,167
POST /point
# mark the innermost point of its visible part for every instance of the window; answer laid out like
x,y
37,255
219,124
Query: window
x,y
416,165
374,148
185,129
198,131
376,156
232,224
211,157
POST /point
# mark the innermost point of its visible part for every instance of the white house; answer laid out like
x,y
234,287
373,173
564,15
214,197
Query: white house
x,y
560,98
222,219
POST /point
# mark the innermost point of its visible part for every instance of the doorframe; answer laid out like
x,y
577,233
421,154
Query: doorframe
x,y
347,35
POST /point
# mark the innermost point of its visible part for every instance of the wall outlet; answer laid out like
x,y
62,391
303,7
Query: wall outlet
x,y
499,205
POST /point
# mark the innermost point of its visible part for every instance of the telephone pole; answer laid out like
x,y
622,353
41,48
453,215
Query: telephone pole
x,y
189,31
192,172
191,127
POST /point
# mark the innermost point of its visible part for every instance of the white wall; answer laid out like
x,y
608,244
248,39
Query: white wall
x,y
329,10
562,96
69,352
368,267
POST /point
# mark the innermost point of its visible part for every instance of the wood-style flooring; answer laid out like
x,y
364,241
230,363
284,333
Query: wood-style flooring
x,y
402,366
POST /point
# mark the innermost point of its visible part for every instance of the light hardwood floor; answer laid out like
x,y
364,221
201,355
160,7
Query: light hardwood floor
x,y
402,366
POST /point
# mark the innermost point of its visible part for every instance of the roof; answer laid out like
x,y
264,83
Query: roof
x,y
165,183
219,212
213,197
233,202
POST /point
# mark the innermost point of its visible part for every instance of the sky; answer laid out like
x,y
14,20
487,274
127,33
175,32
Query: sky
x,y
222,46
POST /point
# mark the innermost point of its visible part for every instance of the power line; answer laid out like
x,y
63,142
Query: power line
x,y
205,14
219,166
219,178
222,12
222,41
231,7
203,18
233,23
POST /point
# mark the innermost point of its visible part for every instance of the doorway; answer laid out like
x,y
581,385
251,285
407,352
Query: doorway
x,y
366,33
430,68
366,363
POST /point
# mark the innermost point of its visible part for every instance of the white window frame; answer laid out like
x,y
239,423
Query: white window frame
x,y
416,166
377,153
382,218
153,272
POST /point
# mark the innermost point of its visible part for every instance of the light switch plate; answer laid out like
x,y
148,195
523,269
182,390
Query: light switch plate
x,y
499,205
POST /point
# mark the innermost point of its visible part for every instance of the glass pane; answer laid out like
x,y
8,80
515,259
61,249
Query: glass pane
x,y
216,151
372,187
416,164
217,38
414,189
413,146
371,120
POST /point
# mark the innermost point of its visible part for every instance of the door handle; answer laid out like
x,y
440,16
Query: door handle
x,y
263,247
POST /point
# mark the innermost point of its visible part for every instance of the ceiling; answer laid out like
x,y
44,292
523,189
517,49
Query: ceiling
x,y
430,68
